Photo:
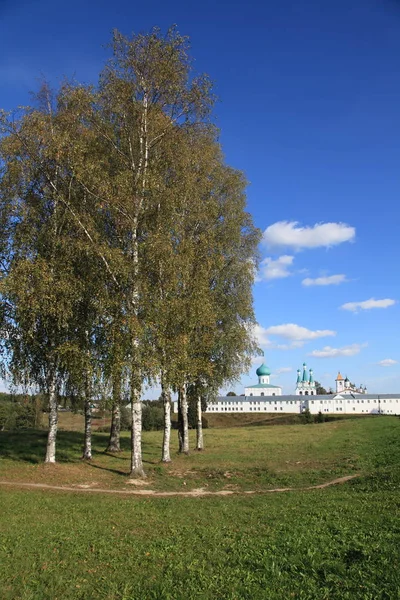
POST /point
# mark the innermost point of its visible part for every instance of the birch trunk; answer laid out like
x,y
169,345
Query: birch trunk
x,y
166,457
136,435
184,430
199,430
114,444
53,422
136,432
87,444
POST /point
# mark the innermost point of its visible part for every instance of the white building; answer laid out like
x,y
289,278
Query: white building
x,y
305,385
264,398
263,387
343,386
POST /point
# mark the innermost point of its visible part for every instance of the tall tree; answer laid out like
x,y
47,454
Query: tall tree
x,y
320,388
145,93
39,290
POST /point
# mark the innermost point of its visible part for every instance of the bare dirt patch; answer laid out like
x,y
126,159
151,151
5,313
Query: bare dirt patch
x,y
196,493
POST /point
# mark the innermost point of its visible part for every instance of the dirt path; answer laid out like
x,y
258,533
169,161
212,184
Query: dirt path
x,y
197,493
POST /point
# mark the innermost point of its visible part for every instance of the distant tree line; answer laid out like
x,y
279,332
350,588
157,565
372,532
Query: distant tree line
x,y
21,411
127,256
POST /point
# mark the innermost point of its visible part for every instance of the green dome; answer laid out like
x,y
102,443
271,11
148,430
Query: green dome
x,y
263,370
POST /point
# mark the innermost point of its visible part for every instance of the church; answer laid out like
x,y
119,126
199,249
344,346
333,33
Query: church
x,y
263,387
305,385
343,386
263,397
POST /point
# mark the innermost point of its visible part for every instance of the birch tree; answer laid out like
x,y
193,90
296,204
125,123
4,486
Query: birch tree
x,y
38,289
145,92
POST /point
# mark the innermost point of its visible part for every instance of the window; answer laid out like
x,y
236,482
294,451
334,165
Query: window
x,y
251,394
262,393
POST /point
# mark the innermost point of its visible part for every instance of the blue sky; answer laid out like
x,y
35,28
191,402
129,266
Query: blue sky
x,y
309,109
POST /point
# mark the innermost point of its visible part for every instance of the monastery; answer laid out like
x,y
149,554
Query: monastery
x,y
267,398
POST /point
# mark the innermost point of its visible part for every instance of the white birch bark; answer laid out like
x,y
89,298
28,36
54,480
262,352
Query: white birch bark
x,y
137,469
184,430
136,405
53,421
199,428
166,457
87,444
114,444
136,434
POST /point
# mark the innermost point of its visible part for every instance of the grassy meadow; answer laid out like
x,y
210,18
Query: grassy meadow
x,y
338,542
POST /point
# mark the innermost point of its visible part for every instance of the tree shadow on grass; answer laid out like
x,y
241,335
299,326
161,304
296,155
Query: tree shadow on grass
x,y
116,471
30,445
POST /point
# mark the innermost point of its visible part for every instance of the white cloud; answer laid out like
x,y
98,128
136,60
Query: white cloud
x,y
275,269
328,352
280,371
331,280
368,304
260,334
295,334
284,370
387,362
257,360
291,331
290,234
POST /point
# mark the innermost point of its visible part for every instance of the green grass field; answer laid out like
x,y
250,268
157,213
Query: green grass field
x,y
338,542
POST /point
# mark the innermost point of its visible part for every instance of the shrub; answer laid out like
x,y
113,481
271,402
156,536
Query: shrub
x,y
152,418
307,417
18,415
7,415
126,419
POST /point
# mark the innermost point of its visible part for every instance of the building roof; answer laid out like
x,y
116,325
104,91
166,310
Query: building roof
x,y
339,377
263,370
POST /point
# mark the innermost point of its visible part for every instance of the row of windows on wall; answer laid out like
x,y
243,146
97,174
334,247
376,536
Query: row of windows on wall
x,y
240,408
235,408
254,402
358,401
